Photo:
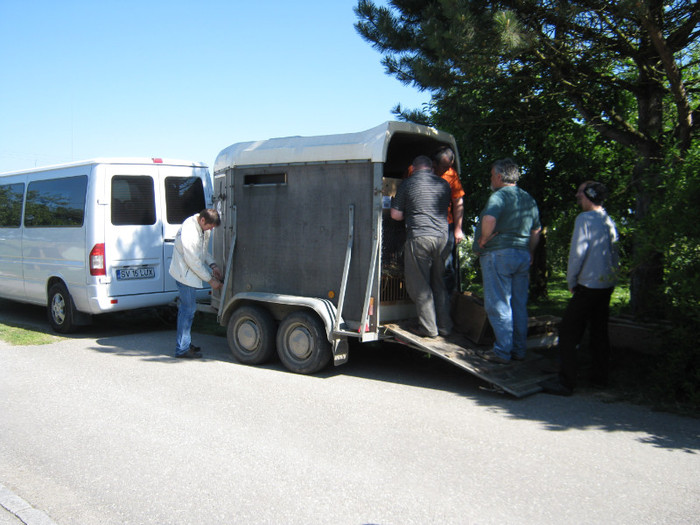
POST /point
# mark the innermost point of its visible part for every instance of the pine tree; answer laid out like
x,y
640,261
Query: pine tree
x,y
627,70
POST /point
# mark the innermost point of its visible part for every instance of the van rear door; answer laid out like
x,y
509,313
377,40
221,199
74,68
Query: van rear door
x,y
134,231
186,191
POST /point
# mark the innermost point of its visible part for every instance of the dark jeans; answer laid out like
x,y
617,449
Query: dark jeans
x,y
451,263
588,307
424,268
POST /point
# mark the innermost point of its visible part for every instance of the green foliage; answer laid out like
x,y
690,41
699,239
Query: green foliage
x,y
573,91
674,230
677,227
674,377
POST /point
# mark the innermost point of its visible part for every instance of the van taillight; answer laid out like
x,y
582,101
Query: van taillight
x,y
97,260
157,160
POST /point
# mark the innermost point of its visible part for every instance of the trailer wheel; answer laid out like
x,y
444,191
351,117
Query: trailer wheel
x,y
60,309
302,344
251,335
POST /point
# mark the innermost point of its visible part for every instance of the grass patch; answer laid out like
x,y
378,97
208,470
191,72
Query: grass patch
x,y
558,296
19,336
206,323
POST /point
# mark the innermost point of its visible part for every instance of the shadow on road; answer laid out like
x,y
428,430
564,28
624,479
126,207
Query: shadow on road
x,y
588,409
146,336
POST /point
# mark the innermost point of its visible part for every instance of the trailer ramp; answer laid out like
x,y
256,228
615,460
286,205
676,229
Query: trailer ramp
x,y
519,378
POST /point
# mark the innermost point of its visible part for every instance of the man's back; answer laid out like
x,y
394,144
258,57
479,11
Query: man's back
x,y
516,216
424,199
593,255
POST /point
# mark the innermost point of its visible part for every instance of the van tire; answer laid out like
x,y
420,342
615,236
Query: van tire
x,y
302,343
60,309
251,335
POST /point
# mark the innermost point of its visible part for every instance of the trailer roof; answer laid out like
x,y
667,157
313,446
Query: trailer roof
x,y
371,145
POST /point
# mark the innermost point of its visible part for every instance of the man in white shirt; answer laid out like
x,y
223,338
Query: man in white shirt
x,y
192,265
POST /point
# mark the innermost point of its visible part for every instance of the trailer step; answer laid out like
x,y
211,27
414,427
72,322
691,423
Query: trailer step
x,y
519,378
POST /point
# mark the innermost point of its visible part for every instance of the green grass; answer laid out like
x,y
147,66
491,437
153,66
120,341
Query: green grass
x,y
206,323
558,296
19,336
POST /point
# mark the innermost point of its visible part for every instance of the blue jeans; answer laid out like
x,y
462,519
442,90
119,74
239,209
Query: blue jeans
x,y
506,275
185,315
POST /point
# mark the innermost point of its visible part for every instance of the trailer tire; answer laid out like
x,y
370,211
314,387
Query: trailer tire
x,y
302,344
60,309
251,335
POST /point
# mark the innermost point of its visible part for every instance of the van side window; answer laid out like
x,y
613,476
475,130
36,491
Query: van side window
x,y
11,205
184,196
133,200
56,202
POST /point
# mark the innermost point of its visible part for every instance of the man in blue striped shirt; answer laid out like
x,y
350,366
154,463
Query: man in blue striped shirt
x,y
422,201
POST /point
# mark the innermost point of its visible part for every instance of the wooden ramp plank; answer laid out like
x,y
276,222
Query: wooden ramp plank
x,y
519,378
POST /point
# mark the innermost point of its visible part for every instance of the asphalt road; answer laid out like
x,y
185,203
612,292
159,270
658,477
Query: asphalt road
x,y
105,427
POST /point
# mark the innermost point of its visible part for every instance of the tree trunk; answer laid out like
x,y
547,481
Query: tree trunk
x,y
646,282
647,276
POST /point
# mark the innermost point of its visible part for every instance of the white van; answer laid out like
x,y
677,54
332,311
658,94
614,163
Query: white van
x,y
95,236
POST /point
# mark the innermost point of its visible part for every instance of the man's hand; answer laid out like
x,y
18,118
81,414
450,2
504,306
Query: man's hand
x,y
215,284
459,235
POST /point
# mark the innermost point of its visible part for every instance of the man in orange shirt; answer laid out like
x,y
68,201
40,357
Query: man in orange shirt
x,y
443,162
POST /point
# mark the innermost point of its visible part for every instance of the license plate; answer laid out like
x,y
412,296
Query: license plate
x,y
126,274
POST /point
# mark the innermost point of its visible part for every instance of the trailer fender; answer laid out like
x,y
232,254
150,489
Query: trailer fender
x,y
325,309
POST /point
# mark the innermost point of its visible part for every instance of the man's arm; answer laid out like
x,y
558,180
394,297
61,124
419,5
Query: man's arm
x,y
457,215
577,252
488,225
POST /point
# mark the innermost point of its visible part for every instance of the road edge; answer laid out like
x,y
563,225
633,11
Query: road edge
x,y
21,509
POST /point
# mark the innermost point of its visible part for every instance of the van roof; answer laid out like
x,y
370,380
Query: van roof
x,y
371,145
112,160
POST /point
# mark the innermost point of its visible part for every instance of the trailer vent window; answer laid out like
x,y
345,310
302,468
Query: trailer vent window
x,y
265,179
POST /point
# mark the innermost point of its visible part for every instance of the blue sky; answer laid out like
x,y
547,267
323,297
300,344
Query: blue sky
x,y
182,79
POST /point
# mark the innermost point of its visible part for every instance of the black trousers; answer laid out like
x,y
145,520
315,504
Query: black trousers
x,y
588,307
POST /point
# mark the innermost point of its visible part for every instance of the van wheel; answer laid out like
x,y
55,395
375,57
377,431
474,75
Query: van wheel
x,y
60,309
302,343
251,335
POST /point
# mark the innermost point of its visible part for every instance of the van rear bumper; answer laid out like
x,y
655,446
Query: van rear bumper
x,y
103,304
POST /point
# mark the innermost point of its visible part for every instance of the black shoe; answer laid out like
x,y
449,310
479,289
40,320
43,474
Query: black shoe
x,y
195,348
489,355
514,357
190,354
415,330
555,387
